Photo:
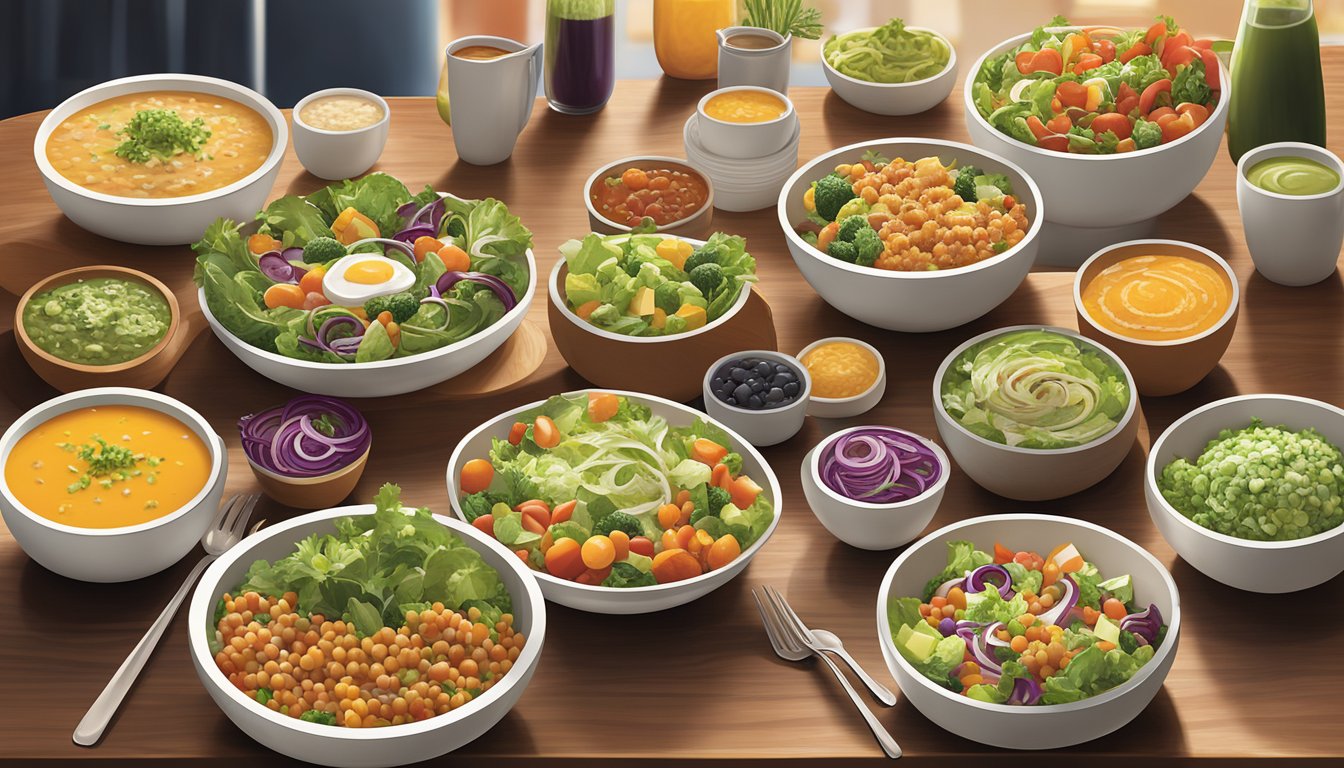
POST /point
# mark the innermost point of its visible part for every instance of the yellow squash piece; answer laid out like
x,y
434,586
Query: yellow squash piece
x,y
675,251
659,319
695,316
642,303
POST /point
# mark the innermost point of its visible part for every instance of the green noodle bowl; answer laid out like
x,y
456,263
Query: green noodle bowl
x,y
891,53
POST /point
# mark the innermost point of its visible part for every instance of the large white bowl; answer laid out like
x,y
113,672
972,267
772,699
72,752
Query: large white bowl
x,y
361,747
895,98
635,599
1255,566
169,220
912,301
1035,727
114,554
1035,474
1131,194
380,378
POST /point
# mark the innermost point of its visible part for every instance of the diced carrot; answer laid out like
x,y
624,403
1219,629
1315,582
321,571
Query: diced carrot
x,y
720,476
743,491
1002,554
707,451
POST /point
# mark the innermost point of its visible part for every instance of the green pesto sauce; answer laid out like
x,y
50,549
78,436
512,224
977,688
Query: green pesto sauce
x,y
102,321
1293,176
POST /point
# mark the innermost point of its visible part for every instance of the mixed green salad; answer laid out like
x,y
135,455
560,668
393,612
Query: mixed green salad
x,y
1036,389
1006,627
651,285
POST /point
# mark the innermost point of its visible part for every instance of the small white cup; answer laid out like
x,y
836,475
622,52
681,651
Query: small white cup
x,y
767,426
1294,239
746,140
492,98
763,67
334,155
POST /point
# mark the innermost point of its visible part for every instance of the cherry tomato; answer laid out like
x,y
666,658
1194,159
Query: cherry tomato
x,y
517,432
485,524
1114,122
641,545
544,432
477,475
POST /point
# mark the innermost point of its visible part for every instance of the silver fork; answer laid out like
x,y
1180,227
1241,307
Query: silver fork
x,y
821,640
226,530
788,645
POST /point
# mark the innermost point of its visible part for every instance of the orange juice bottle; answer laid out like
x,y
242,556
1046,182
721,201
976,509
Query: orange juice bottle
x,y
683,36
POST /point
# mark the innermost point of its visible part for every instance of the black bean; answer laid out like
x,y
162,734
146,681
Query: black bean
x,y
741,393
754,402
739,375
791,389
775,395
764,368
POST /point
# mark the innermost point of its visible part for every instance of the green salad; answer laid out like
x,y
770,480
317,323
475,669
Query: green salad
x,y
651,285
1036,389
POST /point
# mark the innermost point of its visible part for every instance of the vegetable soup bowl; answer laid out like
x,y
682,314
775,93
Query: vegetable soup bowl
x,y
1255,566
629,600
1036,474
698,224
1131,195
912,301
127,552
1045,726
895,98
166,220
361,747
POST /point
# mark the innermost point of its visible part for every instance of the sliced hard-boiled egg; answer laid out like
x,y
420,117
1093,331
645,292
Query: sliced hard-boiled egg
x,y
354,279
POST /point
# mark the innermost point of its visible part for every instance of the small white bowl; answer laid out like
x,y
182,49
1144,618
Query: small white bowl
x,y
746,140
863,524
1294,239
895,98
166,220
1256,566
742,185
361,747
114,554
768,426
845,407
1034,727
335,155
1035,474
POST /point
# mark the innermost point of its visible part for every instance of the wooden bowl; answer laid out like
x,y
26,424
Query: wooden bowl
x,y
321,492
1161,367
699,224
144,372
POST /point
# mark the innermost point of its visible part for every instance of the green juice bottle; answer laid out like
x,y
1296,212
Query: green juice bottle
x,y
1277,90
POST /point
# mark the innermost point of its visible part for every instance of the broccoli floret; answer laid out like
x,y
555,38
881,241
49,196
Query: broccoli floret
x,y
965,184
867,247
700,256
706,277
456,227
1146,134
830,195
632,264
667,297
321,250
618,521
850,227
402,306
318,716
843,251
718,498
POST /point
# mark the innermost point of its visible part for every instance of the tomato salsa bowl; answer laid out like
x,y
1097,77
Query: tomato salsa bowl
x,y
650,179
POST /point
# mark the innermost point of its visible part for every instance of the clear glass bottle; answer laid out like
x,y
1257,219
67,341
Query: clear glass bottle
x,y
1277,88
580,54
684,39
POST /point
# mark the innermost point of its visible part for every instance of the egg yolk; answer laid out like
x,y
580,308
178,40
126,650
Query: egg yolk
x,y
369,272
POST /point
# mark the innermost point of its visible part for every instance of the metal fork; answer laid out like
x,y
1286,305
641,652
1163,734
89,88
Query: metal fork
x,y
788,645
226,530
822,640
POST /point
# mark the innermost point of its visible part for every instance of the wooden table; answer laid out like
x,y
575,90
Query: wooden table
x,y
1256,675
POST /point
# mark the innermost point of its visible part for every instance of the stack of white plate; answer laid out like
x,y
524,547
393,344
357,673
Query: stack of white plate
x,y
743,184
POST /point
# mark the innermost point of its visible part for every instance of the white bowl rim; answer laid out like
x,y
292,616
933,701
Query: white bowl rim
x,y
788,105
315,95
1033,230
1119,428
1219,109
603,170
814,467
786,158
562,305
50,409
804,394
1231,310
1151,472
950,532
877,382
951,59
165,81
1300,149
742,446
536,634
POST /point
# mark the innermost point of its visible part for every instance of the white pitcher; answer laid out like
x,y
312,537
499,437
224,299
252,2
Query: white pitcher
x,y
492,98
761,67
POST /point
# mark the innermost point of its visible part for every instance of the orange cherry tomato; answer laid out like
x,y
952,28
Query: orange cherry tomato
x,y
683,536
564,559
454,259
563,512
724,551
602,406
1105,49
517,432
477,475
1174,128
1059,124
485,524
675,565
635,178
311,282
598,552
425,245
538,511
620,540
1113,122
544,432
642,545
284,295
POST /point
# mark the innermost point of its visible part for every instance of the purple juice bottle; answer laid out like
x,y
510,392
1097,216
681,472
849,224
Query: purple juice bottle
x,y
580,54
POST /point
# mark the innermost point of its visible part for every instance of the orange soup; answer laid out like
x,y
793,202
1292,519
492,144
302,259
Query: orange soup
x,y
83,147
108,467
1157,298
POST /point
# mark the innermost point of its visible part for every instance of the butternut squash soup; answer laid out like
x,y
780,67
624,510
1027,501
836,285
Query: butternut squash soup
x,y
108,467
1157,298
160,144
745,107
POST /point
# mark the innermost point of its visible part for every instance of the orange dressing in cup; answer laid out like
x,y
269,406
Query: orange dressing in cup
x,y
840,369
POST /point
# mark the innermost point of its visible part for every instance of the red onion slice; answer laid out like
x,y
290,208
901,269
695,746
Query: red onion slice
x,y
1066,603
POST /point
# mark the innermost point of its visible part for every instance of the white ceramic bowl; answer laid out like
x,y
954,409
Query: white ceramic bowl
x,y
361,747
1131,195
168,220
1255,566
698,224
1035,727
1031,474
845,407
633,600
912,301
1294,239
114,554
895,98
746,140
863,524
335,155
742,185
381,378
764,427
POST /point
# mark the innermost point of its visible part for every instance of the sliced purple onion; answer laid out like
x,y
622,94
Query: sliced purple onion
x,y
879,465
411,234
977,643
448,279
947,586
285,440
1066,603
273,265
981,576
1145,624
1025,691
